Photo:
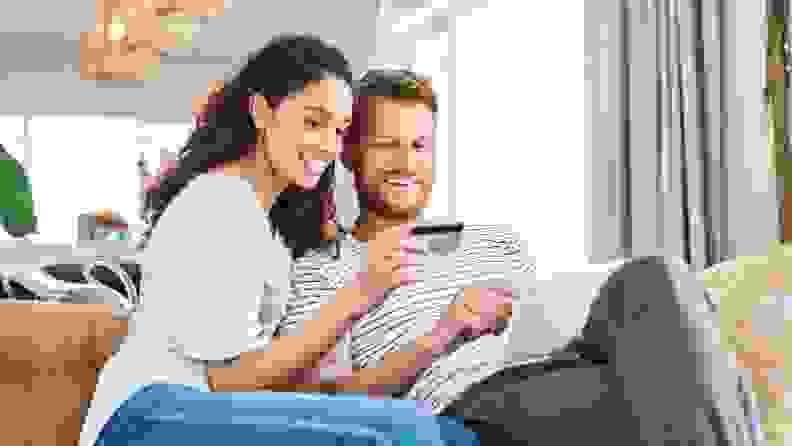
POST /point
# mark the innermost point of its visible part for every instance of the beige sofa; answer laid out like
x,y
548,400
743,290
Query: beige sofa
x,y
50,355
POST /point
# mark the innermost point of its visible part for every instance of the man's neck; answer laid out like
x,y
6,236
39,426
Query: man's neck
x,y
375,223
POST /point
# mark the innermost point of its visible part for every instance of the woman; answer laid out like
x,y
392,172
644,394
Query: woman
x,y
258,165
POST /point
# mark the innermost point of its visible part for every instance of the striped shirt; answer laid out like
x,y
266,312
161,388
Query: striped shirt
x,y
479,256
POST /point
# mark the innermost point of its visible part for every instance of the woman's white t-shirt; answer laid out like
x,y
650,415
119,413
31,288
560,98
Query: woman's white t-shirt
x,y
215,283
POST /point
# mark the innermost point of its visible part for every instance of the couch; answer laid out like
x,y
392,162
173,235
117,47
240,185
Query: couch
x,y
51,352
51,355
54,352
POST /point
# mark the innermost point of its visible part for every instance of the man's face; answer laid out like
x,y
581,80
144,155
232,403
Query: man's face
x,y
395,164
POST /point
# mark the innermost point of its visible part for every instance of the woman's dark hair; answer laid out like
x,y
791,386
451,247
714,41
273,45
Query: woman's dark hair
x,y
226,132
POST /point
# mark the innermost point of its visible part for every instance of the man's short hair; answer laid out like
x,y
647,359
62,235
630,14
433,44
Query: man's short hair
x,y
383,82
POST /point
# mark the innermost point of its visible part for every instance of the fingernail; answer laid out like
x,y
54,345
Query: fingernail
x,y
500,292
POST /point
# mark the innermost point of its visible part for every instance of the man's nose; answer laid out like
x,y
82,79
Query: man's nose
x,y
405,158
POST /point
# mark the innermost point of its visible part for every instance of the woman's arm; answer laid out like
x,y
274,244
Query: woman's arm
x,y
208,306
397,369
274,368
401,367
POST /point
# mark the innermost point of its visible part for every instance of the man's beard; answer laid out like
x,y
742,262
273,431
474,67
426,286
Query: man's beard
x,y
374,202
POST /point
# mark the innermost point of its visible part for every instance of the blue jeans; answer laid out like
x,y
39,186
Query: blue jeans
x,y
161,414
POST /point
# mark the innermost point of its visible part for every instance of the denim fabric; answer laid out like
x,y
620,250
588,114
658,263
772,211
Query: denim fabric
x,y
161,414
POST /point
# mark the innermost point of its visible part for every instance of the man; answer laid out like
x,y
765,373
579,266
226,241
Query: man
x,y
16,199
645,331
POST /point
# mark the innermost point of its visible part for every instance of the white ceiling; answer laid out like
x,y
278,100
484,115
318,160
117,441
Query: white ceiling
x,y
39,53
39,50
243,27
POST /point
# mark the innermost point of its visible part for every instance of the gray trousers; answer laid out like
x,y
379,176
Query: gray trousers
x,y
652,374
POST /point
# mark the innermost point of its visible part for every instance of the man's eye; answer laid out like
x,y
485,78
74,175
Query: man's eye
x,y
312,123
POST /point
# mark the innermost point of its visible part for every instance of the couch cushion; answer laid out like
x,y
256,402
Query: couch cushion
x,y
741,288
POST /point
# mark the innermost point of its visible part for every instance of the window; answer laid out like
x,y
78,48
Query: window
x,y
519,127
153,138
81,164
12,127
428,57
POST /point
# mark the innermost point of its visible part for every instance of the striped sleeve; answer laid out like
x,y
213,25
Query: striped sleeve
x,y
310,288
516,251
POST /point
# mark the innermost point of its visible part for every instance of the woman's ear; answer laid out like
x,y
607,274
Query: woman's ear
x,y
263,114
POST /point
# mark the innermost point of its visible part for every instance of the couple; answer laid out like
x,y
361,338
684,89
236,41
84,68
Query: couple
x,y
249,285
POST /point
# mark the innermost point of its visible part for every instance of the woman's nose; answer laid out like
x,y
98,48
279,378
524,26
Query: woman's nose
x,y
330,145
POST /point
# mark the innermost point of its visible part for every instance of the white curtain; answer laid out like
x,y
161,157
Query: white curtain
x,y
679,160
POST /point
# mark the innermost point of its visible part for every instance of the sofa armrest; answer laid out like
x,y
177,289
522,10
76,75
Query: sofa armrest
x,y
52,353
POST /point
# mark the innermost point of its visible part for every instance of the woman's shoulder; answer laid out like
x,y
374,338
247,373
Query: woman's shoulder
x,y
221,188
215,226
214,196
212,207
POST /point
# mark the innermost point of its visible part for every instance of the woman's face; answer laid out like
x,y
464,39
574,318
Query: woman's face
x,y
303,133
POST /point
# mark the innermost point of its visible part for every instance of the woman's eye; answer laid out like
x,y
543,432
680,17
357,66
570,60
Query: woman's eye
x,y
312,123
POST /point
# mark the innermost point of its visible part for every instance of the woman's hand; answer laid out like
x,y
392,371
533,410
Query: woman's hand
x,y
479,309
392,259
391,263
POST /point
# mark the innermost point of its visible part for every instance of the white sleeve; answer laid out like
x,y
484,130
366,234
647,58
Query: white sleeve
x,y
209,271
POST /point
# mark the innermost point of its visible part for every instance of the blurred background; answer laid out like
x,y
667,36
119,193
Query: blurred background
x,y
535,98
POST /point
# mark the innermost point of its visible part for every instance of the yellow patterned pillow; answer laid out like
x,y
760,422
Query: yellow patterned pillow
x,y
752,288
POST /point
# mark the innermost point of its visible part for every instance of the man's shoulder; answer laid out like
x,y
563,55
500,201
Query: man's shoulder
x,y
498,240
